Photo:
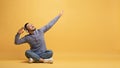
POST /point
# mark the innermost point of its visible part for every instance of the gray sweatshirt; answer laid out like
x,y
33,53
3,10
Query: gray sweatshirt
x,y
36,40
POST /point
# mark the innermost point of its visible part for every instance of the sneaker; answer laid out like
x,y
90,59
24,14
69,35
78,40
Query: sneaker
x,y
31,60
50,60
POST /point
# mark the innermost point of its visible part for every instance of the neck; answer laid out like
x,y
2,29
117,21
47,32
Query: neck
x,y
31,32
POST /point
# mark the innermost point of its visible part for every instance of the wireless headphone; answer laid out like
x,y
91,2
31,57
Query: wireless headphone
x,y
25,27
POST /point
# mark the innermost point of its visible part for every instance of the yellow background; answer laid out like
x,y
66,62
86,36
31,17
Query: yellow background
x,y
88,28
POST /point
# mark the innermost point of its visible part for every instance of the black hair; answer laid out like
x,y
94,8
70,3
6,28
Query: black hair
x,y
25,26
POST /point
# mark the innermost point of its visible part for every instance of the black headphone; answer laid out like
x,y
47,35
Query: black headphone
x,y
25,27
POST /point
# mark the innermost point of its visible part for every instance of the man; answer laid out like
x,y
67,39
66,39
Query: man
x,y
35,38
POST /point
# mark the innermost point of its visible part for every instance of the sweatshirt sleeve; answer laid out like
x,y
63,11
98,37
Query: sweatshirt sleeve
x,y
50,24
18,40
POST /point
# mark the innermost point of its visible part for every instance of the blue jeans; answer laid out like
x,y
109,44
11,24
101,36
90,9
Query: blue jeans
x,y
36,57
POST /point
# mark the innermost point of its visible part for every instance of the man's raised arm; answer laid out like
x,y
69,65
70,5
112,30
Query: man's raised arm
x,y
17,37
51,23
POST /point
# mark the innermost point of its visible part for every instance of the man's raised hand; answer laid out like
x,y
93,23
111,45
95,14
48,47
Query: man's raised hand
x,y
21,30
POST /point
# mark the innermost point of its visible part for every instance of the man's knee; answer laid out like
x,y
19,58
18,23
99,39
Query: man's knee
x,y
50,53
27,52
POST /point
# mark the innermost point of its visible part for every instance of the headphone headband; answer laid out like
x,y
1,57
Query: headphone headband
x,y
25,27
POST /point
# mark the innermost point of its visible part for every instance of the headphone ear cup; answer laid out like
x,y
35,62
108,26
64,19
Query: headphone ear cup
x,y
25,29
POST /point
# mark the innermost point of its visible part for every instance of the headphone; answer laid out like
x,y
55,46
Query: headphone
x,y
25,27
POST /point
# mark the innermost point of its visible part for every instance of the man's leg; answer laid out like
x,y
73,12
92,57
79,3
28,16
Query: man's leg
x,y
31,55
47,54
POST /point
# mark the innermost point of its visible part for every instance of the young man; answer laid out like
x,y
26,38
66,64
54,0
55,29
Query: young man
x,y
35,38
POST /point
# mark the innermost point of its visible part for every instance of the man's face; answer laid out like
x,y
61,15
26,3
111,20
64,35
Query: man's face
x,y
30,27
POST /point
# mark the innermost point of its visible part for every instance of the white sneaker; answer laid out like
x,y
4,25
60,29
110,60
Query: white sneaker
x,y
50,60
31,60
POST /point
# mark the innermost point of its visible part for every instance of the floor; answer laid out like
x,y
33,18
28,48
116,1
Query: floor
x,y
63,62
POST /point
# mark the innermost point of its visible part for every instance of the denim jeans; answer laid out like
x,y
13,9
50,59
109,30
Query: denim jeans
x,y
45,55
